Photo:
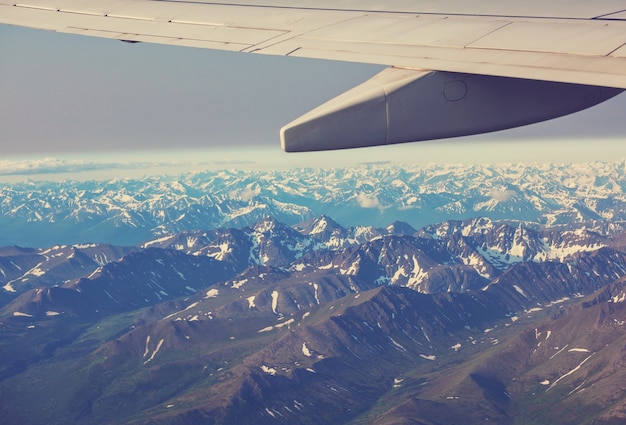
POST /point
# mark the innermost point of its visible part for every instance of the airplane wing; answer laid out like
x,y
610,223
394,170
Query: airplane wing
x,y
457,67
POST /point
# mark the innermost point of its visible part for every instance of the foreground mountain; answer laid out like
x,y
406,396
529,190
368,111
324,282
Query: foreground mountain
x,y
450,256
458,322
126,212
567,369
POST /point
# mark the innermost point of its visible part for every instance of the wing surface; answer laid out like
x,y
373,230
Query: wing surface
x,y
566,41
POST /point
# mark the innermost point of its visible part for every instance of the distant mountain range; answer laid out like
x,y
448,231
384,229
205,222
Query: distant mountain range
x,y
464,321
127,212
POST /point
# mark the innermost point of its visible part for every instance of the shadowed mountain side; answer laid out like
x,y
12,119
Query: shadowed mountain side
x,y
267,325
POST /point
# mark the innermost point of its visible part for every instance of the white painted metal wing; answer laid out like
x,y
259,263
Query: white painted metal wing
x,y
572,41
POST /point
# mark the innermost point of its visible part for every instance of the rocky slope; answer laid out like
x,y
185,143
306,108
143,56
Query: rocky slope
x,y
462,321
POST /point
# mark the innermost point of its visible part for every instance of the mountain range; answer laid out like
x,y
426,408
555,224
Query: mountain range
x,y
464,321
127,211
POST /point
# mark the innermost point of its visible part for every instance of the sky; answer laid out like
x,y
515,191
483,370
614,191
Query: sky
x,y
76,101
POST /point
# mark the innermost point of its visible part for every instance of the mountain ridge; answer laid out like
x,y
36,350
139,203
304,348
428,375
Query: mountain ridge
x,y
272,323
126,212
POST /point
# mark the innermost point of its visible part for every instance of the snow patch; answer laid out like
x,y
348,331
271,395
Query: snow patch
x,y
520,290
156,350
299,267
239,283
353,269
212,293
147,350
95,272
320,226
268,370
278,326
274,301
570,372
396,344
619,298
316,288
157,241
305,350
224,249
36,271
85,246
417,275
287,323
251,301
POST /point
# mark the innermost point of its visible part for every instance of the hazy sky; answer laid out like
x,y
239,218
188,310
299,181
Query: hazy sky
x,y
65,95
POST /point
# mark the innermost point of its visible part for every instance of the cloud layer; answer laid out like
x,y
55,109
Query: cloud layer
x,y
59,166
51,166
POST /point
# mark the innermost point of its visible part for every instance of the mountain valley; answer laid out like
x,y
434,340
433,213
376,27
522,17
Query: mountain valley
x,y
458,322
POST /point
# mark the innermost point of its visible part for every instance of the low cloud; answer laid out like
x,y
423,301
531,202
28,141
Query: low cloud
x,y
369,163
246,194
501,195
368,201
57,166
49,166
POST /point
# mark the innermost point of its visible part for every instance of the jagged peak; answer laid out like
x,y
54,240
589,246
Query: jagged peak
x,y
401,228
321,224
266,224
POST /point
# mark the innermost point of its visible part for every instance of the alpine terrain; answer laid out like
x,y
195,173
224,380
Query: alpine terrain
x,y
128,212
474,320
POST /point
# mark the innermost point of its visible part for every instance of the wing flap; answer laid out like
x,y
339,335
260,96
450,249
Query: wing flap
x,y
585,37
410,30
588,38
602,71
